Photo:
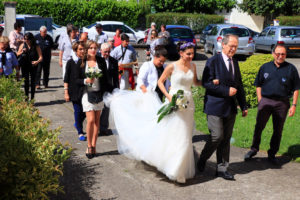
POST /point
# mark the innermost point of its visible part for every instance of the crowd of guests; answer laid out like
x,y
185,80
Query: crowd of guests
x,y
115,58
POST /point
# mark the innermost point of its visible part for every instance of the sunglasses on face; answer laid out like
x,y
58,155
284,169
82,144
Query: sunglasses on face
x,y
280,54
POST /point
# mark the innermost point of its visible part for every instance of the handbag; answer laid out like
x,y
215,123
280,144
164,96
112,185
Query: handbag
x,y
22,59
94,96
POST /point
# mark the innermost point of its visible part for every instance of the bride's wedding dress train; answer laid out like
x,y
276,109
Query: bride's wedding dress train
x,y
167,145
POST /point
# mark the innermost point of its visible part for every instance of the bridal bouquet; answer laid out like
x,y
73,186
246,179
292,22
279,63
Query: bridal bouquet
x,y
93,72
179,101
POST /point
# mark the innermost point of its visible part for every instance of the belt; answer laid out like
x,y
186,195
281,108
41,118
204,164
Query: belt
x,y
278,98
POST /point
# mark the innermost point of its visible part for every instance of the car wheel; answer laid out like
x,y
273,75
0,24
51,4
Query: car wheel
x,y
141,41
206,49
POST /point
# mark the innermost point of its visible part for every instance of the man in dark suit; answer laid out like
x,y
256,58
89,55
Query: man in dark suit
x,y
220,104
113,82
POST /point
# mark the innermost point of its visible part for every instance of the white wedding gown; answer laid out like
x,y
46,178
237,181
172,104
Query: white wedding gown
x,y
167,145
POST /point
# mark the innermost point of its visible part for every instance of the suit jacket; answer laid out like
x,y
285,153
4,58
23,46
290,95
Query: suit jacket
x,y
112,74
73,71
217,101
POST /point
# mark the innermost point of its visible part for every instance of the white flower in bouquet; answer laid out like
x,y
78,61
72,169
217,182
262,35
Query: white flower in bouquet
x,y
182,102
179,101
93,72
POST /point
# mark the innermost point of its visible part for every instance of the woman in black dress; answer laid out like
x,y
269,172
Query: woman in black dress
x,y
31,56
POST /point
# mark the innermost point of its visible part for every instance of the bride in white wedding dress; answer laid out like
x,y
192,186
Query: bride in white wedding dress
x,y
166,145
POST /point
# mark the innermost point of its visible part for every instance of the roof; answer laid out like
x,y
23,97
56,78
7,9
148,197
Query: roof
x,y
177,26
109,22
230,25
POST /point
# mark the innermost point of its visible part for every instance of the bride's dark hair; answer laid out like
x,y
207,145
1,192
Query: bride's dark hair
x,y
160,50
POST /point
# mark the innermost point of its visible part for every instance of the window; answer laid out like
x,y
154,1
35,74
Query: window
x,y
107,27
241,32
127,30
272,32
264,32
117,26
291,32
214,31
180,33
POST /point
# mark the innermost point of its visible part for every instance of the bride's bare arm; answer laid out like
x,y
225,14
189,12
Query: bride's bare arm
x,y
167,73
195,79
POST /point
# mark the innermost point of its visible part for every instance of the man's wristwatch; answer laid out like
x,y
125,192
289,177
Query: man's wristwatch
x,y
294,105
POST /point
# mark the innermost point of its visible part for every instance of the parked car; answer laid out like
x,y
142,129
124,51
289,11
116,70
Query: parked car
x,y
109,27
32,23
178,33
205,32
289,36
57,31
253,33
214,39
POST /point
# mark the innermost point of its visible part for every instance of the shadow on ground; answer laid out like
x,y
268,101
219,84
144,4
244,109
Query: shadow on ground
x,y
257,164
49,103
77,174
293,151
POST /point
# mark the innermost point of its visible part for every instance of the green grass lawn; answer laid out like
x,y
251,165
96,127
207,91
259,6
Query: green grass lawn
x,y
244,128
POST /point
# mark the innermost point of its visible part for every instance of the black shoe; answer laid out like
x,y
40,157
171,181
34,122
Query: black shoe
x,y
201,165
273,160
89,153
226,175
249,155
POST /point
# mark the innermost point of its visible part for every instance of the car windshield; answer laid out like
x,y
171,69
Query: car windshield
x,y
241,32
290,32
208,27
180,33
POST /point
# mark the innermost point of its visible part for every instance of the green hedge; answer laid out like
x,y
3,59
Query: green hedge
x,y
82,13
289,20
197,22
249,70
31,157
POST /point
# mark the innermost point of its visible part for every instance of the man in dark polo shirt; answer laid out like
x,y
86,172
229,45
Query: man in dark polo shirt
x,y
275,83
45,42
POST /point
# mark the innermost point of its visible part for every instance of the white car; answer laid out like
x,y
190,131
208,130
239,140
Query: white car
x,y
109,27
57,31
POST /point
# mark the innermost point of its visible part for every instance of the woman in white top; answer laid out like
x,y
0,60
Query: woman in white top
x,y
93,86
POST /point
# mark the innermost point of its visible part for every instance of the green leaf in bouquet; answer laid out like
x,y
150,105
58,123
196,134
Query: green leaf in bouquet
x,y
162,108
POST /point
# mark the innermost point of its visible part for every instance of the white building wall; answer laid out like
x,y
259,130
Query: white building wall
x,y
237,16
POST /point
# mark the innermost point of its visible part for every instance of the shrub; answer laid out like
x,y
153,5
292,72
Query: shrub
x,y
32,157
197,22
289,20
82,13
249,70
10,89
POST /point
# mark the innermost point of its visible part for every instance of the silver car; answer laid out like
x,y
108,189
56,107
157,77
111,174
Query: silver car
x,y
214,39
289,36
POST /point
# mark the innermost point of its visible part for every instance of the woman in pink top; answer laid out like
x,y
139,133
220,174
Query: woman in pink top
x,y
117,37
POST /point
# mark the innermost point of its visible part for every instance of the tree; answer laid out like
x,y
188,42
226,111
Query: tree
x,y
271,9
193,6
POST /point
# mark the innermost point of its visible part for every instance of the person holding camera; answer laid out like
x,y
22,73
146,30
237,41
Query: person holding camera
x,y
31,56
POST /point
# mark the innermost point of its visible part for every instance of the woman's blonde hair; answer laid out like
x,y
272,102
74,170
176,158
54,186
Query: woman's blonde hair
x,y
4,39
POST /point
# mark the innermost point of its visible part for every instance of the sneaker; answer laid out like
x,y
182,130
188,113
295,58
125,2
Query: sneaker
x,y
249,155
81,137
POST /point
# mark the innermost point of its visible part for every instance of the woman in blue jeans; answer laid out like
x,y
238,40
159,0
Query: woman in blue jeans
x,y
73,91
